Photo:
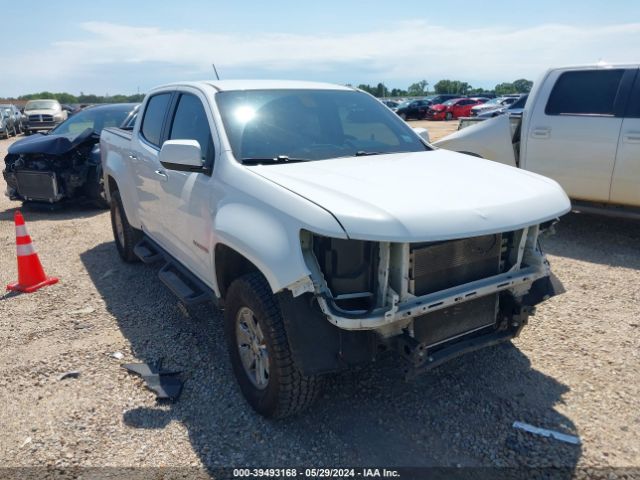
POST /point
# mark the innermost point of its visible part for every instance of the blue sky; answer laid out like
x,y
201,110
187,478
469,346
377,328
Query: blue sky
x,y
126,46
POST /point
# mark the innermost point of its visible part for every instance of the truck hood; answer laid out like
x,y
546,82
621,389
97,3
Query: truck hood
x,y
48,111
422,196
50,144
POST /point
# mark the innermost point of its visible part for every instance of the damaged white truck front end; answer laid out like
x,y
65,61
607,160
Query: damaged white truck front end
x,y
437,261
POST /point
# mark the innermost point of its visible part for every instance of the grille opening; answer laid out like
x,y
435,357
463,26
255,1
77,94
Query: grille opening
x,y
441,265
348,269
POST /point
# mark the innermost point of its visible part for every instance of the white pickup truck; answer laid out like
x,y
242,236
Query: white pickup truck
x,y
581,127
326,228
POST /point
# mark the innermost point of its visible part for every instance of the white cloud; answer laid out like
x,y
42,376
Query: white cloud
x,y
402,53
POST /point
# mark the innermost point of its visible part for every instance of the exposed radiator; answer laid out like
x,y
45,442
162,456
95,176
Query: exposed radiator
x,y
437,266
38,185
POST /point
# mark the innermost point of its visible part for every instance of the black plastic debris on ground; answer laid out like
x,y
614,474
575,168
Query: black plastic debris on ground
x,y
164,383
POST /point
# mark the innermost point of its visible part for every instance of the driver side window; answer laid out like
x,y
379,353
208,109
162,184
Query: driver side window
x,y
190,123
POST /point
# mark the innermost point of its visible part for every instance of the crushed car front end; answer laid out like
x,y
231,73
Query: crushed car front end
x,y
54,171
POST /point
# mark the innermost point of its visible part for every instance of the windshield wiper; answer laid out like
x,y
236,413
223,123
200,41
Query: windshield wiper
x,y
362,153
278,159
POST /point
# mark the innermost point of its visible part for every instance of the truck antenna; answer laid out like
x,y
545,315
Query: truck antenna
x,y
215,70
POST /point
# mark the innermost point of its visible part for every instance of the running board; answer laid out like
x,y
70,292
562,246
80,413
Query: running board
x,y
147,252
189,289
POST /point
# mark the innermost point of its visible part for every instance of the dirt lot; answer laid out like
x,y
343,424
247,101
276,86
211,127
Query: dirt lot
x,y
575,368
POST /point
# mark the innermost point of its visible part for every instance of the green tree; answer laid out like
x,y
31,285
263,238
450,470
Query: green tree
x,y
418,89
452,86
522,85
398,92
505,88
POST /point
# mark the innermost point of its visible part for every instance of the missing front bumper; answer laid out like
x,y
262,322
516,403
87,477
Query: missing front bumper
x,y
521,280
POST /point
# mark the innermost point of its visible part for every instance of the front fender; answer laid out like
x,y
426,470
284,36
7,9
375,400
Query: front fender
x,y
263,239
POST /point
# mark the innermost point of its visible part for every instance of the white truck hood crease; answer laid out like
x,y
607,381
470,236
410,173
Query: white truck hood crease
x,y
423,196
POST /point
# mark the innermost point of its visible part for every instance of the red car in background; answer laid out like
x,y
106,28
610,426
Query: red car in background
x,y
455,108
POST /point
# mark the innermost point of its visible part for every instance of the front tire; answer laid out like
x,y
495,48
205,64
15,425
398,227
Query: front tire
x,y
126,237
449,116
262,362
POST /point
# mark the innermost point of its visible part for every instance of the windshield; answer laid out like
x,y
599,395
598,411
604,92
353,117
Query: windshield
x,y
93,118
311,125
41,105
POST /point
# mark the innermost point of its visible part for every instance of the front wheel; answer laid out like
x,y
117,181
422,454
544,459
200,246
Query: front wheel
x,y
449,116
262,362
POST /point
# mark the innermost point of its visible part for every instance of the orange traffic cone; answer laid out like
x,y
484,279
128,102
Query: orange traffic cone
x,y
31,276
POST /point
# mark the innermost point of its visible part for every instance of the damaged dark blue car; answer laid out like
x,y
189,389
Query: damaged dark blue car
x,y
64,164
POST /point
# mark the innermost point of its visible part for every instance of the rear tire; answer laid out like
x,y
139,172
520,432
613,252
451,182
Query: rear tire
x,y
262,362
126,237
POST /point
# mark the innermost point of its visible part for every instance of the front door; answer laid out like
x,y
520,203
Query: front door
x,y
186,196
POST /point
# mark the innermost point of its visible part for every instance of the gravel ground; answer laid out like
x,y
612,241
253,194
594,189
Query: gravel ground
x,y
575,368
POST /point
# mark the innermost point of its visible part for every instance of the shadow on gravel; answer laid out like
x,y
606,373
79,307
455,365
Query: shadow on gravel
x,y
37,212
459,414
596,239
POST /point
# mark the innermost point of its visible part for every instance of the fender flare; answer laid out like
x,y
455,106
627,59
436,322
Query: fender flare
x,y
264,240
113,166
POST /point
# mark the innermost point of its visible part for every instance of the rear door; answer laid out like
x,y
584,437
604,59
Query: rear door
x,y
572,135
146,145
625,185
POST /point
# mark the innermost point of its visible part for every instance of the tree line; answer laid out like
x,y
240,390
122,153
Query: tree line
x,y
419,89
67,98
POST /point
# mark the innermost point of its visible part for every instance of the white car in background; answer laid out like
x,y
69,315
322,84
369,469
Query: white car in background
x,y
494,103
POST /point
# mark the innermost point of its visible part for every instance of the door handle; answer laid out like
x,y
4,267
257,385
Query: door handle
x,y
541,132
631,137
162,174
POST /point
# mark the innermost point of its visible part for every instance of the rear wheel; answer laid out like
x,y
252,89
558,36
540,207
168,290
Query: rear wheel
x,y
262,362
126,237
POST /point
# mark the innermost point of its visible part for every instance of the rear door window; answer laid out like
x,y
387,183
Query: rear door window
x,y
633,110
585,93
154,118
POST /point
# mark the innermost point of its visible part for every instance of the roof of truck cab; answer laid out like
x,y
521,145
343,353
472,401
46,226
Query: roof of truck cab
x,y
595,66
228,85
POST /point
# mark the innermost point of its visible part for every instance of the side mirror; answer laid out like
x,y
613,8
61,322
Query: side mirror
x,y
422,133
181,155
